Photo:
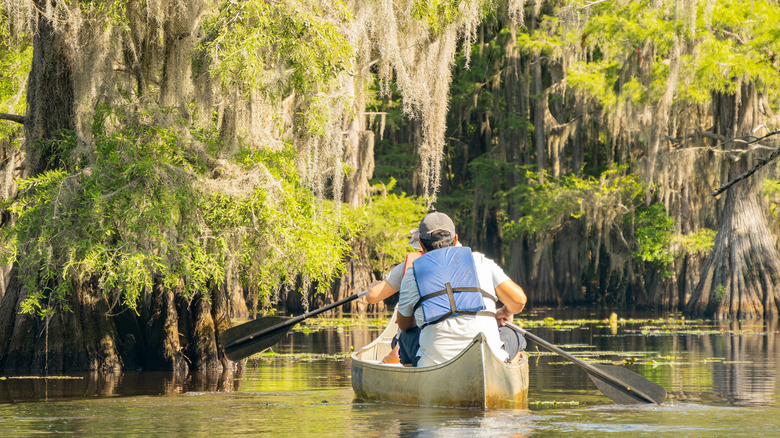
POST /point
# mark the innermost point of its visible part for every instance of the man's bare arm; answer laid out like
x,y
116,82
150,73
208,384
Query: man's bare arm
x,y
378,291
512,295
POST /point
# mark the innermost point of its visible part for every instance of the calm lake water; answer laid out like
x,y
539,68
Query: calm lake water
x,y
722,378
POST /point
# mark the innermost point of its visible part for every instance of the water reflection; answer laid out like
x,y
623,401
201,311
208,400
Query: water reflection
x,y
327,342
748,374
16,389
728,363
722,380
701,361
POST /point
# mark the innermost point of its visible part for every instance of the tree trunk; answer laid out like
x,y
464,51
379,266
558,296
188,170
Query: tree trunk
x,y
741,279
543,283
357,276
540,108
360,158
569,259
10,158
50,92
80,340
176,86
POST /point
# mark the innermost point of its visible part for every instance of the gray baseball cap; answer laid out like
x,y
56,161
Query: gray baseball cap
x,y
435,221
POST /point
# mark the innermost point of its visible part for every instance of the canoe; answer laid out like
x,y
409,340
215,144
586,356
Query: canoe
x,y
484,380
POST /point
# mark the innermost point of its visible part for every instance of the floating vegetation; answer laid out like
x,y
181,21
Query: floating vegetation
x,y
312,325
269,355
664,326
41,378
537,405
713,359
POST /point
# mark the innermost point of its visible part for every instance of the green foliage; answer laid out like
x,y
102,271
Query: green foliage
x,y
771,190
596,79
279,48
390,217
113,10
441,13
698,243
57,150
15,61
740,44
654,238
548,204
618,34
718,293
394,160
154,210
734,41
549,39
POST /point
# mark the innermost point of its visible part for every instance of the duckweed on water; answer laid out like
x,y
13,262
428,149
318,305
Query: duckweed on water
x,y
41,378
538,405
269,355
340,324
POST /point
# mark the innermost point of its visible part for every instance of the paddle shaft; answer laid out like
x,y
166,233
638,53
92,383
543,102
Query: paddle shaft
x,y
292,321
617,383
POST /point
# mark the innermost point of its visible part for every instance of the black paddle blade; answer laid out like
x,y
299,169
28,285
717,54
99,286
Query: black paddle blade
x,y
633,382
256,345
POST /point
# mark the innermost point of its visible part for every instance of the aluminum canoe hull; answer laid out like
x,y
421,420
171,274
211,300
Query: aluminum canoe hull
x,y
475,378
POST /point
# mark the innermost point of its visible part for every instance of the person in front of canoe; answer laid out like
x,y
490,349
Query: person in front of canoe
x,y
385,288
450,295
382,289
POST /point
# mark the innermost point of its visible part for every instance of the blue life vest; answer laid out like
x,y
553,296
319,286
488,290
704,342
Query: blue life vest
x,y
448,284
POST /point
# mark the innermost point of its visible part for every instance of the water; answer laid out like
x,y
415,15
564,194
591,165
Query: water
x,y
722,380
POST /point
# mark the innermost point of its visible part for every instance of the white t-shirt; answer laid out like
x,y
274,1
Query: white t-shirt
x,y
442,341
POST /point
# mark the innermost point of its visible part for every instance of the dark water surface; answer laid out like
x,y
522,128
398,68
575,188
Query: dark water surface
x,y
722,378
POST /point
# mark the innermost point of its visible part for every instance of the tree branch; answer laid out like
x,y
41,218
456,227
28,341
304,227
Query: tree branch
x,y
590,4
13,118
706,134
761,163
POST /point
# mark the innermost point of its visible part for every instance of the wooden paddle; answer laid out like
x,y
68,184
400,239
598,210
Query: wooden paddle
x,y
617,383
254,336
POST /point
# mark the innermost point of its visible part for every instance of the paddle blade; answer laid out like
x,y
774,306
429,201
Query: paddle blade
x,y
255,345
633,381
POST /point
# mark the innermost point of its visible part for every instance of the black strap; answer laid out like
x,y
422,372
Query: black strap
x,y
451,296
447,291
454,311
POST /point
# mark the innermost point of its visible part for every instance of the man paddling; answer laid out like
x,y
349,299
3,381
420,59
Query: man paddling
x,y
382,289
449,296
